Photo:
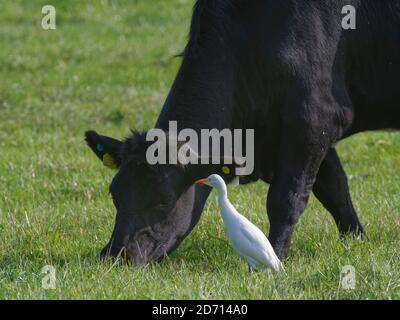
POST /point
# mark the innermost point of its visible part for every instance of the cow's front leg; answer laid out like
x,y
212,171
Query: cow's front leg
x,y
332,190
307,135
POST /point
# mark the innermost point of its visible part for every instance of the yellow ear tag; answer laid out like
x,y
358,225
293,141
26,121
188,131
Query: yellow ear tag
x,y
109,162
226,170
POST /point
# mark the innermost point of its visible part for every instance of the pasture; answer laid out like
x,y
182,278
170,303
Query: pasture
x,y
108,66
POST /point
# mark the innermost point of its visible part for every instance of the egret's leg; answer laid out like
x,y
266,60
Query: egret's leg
x,y
251,269
252,264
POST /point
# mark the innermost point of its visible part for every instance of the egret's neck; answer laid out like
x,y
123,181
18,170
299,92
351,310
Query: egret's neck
x,y
222,192
224,203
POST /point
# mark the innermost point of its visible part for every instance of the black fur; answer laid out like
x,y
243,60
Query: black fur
x,y
288,70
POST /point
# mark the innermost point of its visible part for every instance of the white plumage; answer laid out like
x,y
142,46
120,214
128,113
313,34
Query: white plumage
x,y
246,239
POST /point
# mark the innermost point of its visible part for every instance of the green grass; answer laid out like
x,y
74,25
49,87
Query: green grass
x,y
109,66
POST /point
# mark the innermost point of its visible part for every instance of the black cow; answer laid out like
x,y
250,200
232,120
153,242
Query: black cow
x,y
287,69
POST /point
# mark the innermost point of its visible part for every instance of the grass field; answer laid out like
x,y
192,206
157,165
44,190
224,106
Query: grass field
x,y
108,66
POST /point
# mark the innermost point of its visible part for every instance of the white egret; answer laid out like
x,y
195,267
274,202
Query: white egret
x,y
246,239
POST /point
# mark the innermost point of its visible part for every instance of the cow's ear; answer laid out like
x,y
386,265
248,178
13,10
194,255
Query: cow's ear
x,y
106,149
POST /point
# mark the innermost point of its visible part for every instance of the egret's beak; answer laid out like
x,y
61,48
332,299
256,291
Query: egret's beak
x,y
200,181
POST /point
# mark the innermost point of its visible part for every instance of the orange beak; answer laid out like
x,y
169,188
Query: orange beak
x,y
200,181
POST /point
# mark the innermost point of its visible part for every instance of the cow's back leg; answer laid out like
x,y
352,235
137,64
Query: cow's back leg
x,y
332,190
309,128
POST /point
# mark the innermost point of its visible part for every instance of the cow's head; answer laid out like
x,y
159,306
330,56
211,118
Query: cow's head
x,y
154,203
